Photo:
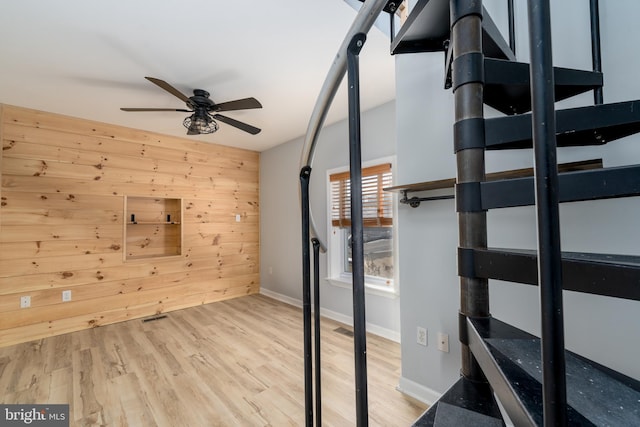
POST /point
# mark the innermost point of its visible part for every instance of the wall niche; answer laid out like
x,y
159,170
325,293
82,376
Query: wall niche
x,y
153,227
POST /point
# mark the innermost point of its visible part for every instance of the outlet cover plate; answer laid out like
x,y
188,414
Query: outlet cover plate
x,y
421,336
443,342
25,301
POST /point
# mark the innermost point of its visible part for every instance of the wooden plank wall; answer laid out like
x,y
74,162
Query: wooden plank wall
x,y
61,223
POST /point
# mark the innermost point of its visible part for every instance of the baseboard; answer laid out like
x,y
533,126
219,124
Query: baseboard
x,y
371,328
280,297
418,391
339,317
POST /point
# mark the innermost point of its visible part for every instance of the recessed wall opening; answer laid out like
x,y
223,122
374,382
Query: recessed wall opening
x,y
153,227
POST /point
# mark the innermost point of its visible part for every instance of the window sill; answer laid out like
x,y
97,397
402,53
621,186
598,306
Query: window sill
x,y
369,288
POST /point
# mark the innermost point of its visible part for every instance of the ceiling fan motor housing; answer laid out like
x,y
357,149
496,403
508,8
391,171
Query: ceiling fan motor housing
x,y
201,99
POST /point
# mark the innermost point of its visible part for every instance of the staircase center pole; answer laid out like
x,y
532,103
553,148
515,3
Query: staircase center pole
x,y
466,34
548,216
305,174
357,230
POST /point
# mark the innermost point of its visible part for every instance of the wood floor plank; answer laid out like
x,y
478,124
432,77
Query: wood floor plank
x,y
88,409
133,409
237,362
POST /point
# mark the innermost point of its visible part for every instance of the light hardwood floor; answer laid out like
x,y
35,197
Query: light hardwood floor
x,y
235,362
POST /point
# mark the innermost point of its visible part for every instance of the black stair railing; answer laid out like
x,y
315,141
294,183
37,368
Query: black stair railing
x,y
316,329
596,54
305,175
363,22
512,26
548,215
357,230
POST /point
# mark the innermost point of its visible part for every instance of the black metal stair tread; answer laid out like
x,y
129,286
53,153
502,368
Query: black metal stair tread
x,y
453,416
507,87
596,395
594,184
427,28
582,126
465,404
599,274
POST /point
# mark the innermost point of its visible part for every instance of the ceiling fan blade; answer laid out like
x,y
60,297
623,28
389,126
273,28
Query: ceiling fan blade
x,y
155,109
235,123
166,86
239,104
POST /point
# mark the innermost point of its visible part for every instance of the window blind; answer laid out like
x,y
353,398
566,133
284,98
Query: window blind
x,y
377,208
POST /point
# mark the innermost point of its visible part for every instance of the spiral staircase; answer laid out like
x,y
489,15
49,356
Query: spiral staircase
x,y
508,373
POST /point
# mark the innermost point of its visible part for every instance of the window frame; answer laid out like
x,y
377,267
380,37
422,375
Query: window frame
x,y
335,246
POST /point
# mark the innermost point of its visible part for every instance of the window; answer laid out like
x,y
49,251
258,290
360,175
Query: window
x,y
377,205
377,209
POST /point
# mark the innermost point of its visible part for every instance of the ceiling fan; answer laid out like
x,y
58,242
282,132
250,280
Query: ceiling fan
x,y
202,120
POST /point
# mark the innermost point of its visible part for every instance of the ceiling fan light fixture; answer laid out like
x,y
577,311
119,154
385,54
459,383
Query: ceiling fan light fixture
x,y
200,123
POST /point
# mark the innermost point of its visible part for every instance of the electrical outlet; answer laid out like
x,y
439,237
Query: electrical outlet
x,y
66,296
421,337
25,302
443,342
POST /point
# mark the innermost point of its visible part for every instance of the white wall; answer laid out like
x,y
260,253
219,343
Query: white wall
x,y
280,254
603,329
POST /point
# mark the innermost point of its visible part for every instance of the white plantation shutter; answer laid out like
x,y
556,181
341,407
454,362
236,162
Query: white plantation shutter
x,y
377,209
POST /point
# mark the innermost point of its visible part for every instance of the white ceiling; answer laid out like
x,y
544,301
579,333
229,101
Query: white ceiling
x,y
88,58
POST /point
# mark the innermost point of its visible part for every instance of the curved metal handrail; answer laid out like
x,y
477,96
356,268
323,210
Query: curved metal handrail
x,y
364,20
